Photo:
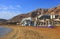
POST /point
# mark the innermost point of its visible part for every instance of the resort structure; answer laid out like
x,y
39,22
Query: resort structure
x,y
41,20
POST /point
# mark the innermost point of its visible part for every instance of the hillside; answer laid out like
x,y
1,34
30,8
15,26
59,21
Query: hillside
x,y
54,10
3,21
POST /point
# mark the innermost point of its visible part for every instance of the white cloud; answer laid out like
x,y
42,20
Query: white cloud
x,y
8,12
4,7
18,6
8,15
11,7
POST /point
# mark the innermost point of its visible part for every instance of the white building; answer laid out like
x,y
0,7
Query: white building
x,y
27,22
41,20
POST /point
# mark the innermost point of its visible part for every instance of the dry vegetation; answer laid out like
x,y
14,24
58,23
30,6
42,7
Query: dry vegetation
x,y
20,32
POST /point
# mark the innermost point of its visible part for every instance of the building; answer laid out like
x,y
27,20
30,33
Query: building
x,y
27,22
41,20
47,19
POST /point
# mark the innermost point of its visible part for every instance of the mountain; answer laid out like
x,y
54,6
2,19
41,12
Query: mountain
x,y
54,10
3,21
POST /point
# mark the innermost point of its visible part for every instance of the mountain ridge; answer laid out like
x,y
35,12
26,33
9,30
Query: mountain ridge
x,y
54,10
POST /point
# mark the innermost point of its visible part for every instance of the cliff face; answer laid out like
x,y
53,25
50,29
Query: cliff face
x,y
55,10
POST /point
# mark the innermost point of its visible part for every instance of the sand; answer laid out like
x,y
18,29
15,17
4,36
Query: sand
x,y
29,32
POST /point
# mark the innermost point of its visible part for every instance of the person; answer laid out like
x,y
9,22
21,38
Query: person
x,y
50,26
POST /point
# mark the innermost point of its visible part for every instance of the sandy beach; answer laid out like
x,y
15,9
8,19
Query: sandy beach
x,y
29,32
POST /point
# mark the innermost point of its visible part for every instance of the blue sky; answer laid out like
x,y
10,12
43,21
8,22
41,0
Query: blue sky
x,y
11,8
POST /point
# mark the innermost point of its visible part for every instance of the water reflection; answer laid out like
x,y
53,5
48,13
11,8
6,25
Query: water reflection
x,y
4,31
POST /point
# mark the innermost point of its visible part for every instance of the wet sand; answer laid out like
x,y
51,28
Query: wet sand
x,y
29,32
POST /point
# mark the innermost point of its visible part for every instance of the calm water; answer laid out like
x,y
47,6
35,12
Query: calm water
x,y
4,31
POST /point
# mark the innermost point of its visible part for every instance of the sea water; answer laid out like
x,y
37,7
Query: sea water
x,y
4,31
